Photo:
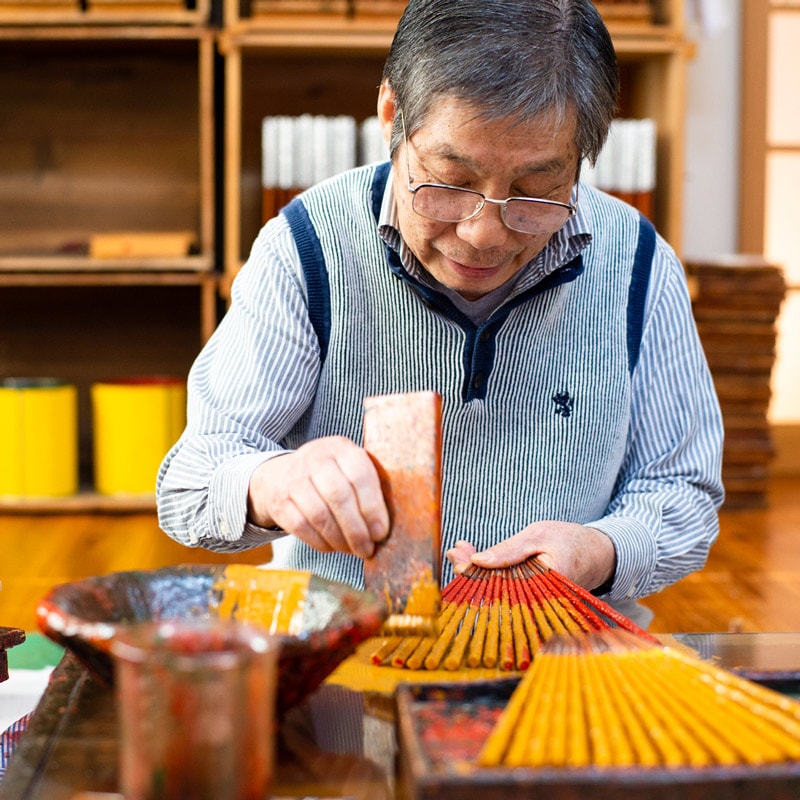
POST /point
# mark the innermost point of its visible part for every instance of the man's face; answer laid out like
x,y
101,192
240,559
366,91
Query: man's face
x,y
457,148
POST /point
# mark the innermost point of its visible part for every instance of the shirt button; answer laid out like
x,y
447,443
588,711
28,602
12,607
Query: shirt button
x,y
477,380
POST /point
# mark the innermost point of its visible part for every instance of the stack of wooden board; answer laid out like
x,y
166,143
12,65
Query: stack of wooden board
x,y
736,301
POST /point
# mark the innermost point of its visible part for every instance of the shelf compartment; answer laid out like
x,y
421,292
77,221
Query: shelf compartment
x,y
264,78
105,130
88,328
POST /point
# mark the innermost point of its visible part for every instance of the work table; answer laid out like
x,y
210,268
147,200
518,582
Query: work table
x,y
338,743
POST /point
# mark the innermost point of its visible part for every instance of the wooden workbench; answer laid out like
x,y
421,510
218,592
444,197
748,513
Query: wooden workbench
x,y
340,742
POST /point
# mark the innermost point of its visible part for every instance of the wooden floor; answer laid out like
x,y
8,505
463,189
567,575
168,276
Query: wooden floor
x,y
751,581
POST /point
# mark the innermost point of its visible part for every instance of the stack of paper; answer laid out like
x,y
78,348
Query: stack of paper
x,y
626,167
298,152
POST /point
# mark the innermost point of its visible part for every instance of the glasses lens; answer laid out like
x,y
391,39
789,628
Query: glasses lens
x,y
535,216
445,203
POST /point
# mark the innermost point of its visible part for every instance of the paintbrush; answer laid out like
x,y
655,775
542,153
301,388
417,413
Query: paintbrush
x,y
403,436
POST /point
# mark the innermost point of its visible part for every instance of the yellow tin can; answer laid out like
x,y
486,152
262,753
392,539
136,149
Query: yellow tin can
x,y
136,421
38,438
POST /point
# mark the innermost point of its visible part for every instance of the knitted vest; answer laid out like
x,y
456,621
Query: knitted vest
x,y
535,401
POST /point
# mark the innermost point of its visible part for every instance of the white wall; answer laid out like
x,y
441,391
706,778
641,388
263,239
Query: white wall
x,y
712,130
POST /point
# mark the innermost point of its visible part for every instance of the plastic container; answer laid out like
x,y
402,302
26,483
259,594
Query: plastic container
x,y
38,438
136,421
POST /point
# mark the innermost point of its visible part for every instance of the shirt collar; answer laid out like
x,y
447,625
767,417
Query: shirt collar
x,y
562,248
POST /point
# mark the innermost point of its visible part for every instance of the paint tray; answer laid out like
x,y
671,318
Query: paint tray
x,y
441,729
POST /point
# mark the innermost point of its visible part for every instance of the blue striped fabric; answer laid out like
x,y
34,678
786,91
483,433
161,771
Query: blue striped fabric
x,y
9,739
542,417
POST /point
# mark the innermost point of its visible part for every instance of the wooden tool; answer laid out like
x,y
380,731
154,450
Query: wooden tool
x,y
402,434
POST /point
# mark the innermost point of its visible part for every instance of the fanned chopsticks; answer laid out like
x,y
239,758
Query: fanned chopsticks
x,y
612,699
500,618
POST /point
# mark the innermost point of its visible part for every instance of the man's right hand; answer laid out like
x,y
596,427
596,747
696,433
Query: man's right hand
x,y
327,493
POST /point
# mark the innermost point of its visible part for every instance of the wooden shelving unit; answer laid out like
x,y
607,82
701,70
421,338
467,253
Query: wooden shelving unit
x,y
113,124
107,128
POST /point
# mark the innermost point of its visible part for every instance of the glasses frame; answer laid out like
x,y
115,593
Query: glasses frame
x,y
572,207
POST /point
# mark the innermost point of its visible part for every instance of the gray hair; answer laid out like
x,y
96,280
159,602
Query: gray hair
x,y
514,59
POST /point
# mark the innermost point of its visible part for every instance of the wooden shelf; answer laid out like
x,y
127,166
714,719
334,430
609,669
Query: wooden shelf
x,y
195,13
86,265
82,503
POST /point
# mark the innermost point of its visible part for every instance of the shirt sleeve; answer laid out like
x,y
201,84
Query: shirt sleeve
x,y
246,390
663,517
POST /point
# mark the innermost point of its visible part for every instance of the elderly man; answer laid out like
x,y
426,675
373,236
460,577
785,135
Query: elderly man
x,y
580,421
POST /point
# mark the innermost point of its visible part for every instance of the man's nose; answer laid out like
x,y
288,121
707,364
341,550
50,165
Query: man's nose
x,y
486,229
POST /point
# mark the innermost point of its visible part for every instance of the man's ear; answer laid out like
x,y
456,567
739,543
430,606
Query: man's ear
x,y
386,111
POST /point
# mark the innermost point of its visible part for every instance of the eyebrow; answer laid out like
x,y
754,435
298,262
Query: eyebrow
x,y
551,166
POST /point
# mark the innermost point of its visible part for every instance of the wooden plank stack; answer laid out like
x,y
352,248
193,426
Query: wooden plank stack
x,y
736,301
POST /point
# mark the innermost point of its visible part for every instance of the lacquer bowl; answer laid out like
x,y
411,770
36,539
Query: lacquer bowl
x,y
319,622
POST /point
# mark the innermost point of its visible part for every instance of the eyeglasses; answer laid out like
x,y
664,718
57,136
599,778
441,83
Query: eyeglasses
x,y
444,203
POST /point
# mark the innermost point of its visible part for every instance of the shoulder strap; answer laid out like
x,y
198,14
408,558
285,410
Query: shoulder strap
x,y
637,291
316,273
312,258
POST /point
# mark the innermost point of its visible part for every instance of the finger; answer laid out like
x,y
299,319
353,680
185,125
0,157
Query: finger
x,y
460,556
305,512
359,469
292,520
341,523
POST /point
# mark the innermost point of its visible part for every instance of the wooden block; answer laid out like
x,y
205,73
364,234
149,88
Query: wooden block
x,y
403,436
141,244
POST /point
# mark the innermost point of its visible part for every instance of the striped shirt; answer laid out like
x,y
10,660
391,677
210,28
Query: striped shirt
x,y
584,397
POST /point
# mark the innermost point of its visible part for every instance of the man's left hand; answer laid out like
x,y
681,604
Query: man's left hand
x,y
584,555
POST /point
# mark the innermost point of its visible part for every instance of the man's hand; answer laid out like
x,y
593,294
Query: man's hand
x,y
326,493
584,555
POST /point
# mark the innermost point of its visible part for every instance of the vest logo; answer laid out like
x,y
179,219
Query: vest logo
x,y
563,403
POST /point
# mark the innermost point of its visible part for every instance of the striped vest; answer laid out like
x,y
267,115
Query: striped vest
x,y
535,400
